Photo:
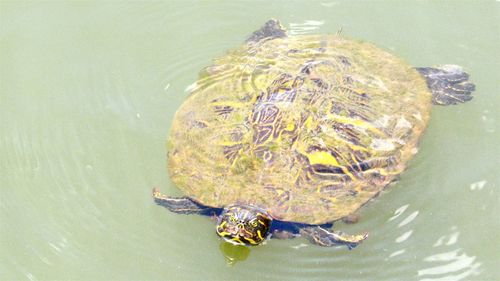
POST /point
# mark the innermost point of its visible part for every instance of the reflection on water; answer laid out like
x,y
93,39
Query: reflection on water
x,y
87,94
488,122
477,185
306,27
449,263
402,221
399,212
234,253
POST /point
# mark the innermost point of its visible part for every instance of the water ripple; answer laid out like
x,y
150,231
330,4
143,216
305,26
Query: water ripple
x,y
449,264
454,265
408,219
84,141
305,27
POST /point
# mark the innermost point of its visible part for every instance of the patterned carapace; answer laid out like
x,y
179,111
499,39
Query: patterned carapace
x,y
308,128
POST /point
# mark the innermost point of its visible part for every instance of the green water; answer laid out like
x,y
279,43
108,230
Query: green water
x,y
87,94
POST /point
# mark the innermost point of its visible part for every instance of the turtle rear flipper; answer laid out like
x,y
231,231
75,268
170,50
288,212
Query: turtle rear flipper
x,y
271,29
449,84
322,237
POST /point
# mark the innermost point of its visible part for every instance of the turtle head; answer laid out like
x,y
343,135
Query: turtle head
x,y
244,225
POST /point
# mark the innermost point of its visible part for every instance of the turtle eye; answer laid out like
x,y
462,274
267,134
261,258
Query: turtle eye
x,y
253,223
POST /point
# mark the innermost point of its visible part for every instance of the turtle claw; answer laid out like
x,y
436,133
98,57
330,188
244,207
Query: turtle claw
x,y
357,239
156,192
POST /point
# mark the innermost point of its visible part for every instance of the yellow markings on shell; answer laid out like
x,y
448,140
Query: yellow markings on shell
x,y
309,122
290,126
280,191
354,160
322,157
355,122
385,172
325,158
353,146
349,174
358,188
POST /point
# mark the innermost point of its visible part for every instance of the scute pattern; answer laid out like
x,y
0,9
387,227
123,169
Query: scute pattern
x,y
308,128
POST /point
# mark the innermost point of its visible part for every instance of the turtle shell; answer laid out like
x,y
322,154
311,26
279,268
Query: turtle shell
x,y
308,128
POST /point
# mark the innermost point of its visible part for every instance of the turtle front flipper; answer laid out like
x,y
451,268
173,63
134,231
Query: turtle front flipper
x,y
181,205
449,84
271,29
322,237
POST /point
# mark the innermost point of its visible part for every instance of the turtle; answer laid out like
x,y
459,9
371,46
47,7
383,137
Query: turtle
x,y
285,135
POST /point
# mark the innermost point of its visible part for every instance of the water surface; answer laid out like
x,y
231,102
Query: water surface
x,y
87,94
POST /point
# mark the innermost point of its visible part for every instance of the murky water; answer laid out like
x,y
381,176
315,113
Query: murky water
x,y
87,94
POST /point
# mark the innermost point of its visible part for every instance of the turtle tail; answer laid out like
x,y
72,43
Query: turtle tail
x,y
449,84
